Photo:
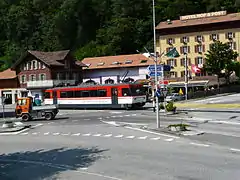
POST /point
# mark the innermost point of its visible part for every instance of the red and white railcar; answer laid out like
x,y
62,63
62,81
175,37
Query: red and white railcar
x,y
97,96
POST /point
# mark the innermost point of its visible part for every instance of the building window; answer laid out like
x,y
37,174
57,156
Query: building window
x,y
214,37
230,35
28,65
199,61
199,48
32,77
182,73
199,39
23,79
173,74
232,45
34,65
42,77
43,66
25,66
109,81
185,39
172,62
183,61
170,41
185,49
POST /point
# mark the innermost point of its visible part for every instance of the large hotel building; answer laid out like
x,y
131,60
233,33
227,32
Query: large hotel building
x,y
194,34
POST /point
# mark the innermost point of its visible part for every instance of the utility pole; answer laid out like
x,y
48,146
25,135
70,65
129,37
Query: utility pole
x,y
155,63
186,77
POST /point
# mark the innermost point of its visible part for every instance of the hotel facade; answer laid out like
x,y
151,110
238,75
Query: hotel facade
x,y
193,35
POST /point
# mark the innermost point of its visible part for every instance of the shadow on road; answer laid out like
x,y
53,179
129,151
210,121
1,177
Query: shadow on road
x,y
44,164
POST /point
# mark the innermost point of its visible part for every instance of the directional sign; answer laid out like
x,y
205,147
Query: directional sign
x,y
152,74
152,68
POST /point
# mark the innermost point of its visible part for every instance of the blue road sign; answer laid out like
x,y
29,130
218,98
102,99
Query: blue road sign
x,y
158,93
152,74
152,68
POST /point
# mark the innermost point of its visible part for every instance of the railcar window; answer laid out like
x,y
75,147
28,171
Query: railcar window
x,y
93,93
70,94
78,94
47,95
63,94
85,93
102,93
126,92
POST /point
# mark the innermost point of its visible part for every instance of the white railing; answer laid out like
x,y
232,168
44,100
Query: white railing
x,y
47,83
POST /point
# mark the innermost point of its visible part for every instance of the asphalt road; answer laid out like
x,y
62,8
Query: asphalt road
x,y
78,145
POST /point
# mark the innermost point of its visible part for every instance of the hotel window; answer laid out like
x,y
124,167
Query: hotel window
x,y
172,62
199,61
199,48
199,39
32,77
214,37
183,61
34,65
23,79
185,39
173,74
185,49
170,41
42,77
182,73
230,35
232,45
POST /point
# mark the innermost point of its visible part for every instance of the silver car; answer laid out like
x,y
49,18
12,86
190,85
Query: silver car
x,y
175,97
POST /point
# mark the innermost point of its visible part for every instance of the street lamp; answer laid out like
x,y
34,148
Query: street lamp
x,y
155,65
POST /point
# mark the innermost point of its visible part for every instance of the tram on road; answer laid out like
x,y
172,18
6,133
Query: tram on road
x,y
129,95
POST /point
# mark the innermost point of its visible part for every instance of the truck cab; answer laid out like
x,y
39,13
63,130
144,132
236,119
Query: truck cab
x,y
27,109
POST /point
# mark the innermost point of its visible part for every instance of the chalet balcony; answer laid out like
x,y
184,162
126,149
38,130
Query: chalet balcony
x,y
49,83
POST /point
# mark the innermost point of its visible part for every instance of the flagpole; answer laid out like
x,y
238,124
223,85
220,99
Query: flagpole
x,y
155,66
186,77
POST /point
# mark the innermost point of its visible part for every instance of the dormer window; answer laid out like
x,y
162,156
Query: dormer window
x,y
128,62
199,39
100,64
144,61
115,63
185,39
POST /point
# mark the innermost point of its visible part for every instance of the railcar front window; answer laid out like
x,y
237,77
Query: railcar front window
x,y
137,91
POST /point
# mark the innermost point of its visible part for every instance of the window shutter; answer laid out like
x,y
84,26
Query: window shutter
x,y
167,40
173,40
226,35
195,38
182,62
203,48
175,62
168,63
166,49
234,45
189,62
195,48
187,39
203,39
210,37
233,35
181,49
196,61
181,40
188,49
217,36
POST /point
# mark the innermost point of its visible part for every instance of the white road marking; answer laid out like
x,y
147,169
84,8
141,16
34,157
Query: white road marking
x,y
234,149
47,133
50,123
170,139
86,119
134,114
115,112
151,132
86,134
84,168
74,120
196,144
127,115
156,138
55,134
108,135
37,125
26,133
65,134
144,137
34,133
111,123
100,118
97,135
113,116
107,117
118,136
77,134
120,116
130,137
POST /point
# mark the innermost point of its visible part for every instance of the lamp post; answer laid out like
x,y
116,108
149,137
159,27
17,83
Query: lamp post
x,y
155,65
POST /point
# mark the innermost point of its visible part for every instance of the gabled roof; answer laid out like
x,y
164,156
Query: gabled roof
x,y
199,21
107,62
49,58
8,74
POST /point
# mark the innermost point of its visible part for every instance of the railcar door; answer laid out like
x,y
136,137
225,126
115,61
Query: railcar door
x,y
55,97
114,92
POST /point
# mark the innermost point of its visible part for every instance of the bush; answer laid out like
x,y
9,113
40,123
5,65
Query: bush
x,y
161,106
170,106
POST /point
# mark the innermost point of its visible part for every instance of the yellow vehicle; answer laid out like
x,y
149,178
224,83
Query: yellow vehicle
x,y
27,109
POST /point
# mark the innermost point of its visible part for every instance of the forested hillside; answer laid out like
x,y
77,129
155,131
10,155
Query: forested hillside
x,y
89,27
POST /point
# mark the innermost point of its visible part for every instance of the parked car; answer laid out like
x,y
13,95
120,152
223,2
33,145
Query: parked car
x,y
175,97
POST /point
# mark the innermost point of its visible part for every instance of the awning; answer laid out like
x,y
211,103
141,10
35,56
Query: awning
x,y
190,83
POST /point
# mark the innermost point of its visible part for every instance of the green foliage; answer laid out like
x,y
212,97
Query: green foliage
x,y
182,127
220,58
170,106
89,27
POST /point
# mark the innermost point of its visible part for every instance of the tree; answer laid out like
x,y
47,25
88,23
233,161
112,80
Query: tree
x,y
220,60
